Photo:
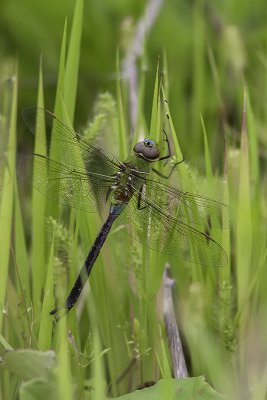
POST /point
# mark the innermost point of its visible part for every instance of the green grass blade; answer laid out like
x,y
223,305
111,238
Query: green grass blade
x,y
163,360
73,60
174,136
64,381
122,129
45,331
244,230
98,378
61,78
225,273
140,125
6,207
22,259
198,89
207,152
38,213
253,142
54,151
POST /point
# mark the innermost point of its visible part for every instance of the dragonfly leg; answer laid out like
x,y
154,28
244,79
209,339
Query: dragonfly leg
x,y
170,173
169,148
165,158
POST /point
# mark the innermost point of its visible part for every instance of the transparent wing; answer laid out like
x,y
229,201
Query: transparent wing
x,y
185,206
153,225
69,186
95,158
83,171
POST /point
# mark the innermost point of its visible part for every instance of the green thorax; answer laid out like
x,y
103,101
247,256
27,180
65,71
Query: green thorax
x,y
139,163
127,183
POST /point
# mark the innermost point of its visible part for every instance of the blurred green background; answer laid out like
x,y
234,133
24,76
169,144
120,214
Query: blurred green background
x,y
211,52
192,34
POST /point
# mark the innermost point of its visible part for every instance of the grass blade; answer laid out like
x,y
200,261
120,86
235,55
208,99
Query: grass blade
x,y
45,331
244,229
38,212
6,207
73,60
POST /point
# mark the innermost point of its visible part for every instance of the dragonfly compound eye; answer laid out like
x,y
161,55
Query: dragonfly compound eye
x,y
149,143
147,149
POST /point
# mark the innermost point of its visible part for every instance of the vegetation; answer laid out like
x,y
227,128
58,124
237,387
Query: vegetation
x,y
208,60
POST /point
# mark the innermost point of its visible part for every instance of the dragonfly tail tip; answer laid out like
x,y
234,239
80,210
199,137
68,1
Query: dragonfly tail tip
x,y
54,311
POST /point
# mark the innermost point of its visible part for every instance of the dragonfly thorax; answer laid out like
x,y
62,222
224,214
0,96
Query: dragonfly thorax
x,y
127,181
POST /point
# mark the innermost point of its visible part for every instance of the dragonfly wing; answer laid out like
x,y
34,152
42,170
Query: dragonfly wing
x,y
158,230
82,169
191,208
69,186
65,138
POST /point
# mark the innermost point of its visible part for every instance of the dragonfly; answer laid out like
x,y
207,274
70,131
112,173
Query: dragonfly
x,y
138,196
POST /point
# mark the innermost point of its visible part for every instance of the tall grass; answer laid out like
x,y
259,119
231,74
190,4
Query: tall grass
x,y
114,339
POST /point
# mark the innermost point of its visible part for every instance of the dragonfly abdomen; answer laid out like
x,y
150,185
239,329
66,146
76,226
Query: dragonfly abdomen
x,y
90,260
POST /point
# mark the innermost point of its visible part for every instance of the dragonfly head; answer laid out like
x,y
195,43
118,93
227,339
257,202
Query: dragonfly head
x,y
147,149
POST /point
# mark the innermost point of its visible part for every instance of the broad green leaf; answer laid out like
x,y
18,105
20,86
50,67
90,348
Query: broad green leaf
x,y
39,389
176,389
28,364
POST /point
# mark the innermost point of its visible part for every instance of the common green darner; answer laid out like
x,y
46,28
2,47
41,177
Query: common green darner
x,y
162,217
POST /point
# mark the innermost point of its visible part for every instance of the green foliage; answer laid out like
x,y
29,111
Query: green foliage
x,y
7,194
172,389
29,364
114,340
